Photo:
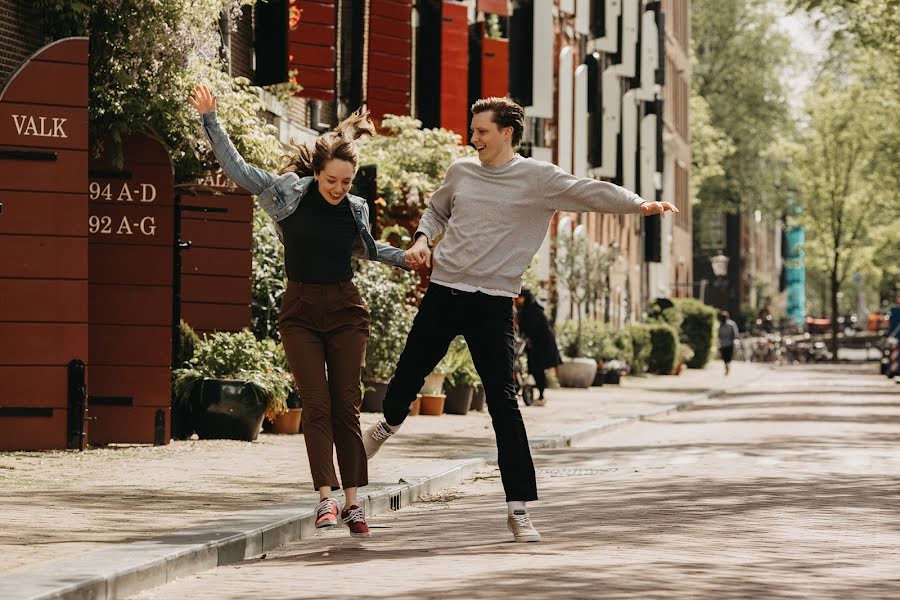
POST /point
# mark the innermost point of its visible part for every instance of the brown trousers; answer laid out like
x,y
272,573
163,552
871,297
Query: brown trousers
x,y
324,329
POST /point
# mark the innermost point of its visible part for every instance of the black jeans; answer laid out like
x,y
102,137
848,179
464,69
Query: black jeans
x,y
487,324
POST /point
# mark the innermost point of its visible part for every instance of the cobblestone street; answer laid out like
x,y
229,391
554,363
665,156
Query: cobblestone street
x,y
787,487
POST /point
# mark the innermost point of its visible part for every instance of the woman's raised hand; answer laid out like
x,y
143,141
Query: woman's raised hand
x,y
202,99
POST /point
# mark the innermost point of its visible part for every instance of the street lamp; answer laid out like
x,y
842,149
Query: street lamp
x,y
719,264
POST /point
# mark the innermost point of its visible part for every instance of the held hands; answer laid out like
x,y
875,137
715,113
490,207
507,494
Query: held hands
x,y
202,99
657,208
419,255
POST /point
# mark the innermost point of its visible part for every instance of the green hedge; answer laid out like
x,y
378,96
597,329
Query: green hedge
x,y
641,348
663,349
698,329
598,341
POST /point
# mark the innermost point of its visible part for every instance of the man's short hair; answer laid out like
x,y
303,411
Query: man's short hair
x,y
506,114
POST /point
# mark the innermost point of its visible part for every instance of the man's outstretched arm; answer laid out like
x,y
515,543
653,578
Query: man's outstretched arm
x,y
564,191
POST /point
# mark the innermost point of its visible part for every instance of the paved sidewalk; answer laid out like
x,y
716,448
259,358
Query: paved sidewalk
x,y
61,505
783,489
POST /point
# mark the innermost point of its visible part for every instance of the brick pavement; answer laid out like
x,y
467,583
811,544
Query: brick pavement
x,y
61,504
786,489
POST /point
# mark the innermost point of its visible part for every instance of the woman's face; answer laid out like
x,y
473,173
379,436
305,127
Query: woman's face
x,y
335,180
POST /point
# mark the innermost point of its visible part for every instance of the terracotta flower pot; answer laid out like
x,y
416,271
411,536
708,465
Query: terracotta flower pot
x,y
432,404
288,422
416,406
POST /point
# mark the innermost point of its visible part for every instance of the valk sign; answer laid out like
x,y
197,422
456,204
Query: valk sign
x,y
38,126
44,249
87,269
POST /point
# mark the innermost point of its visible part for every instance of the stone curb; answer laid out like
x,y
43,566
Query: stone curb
x,y
127,569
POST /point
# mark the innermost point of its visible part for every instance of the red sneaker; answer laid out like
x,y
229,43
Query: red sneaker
x,y
355,519
326,513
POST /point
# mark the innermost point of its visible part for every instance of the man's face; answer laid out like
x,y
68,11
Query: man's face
x,y
488,138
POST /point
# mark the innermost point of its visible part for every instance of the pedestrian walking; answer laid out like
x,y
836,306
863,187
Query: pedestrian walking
x,y
728,333
540,348
494,211
324,323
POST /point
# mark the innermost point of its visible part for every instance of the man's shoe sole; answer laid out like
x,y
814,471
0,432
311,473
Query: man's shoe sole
x,y
361,535
326,524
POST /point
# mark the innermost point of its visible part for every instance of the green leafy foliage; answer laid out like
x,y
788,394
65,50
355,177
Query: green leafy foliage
x,y
458,364
144,60
268,276
664,349
188,341
740,55
238,356
411,161
387,293
641,346
698,329
598,341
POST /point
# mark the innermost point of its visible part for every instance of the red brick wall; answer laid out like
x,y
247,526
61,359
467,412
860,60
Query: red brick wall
x,y
20,36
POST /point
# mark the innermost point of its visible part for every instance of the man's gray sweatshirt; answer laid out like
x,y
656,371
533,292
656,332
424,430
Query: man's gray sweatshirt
x,y
496,217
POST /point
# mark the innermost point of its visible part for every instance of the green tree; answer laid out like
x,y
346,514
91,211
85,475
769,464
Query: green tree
x,y
740,55
843,197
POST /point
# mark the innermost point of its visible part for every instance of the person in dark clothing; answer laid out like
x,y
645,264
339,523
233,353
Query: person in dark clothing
x,y
728,333
541,348
324,322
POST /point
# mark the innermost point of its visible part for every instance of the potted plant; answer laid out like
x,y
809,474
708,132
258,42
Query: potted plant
x,y
386,294
289,422
614,369
461,378
431,404
577,263
577,370
431,396
231,383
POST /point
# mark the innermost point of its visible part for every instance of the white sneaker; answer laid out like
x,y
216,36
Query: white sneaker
x,y
520,526
375,436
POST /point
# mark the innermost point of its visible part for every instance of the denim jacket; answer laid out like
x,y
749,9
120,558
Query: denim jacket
x,y
280,195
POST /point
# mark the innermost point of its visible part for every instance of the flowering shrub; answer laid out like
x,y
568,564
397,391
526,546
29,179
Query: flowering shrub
x,y
144,60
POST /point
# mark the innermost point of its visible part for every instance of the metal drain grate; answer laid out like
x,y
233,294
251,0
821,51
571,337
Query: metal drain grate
x,y
395,501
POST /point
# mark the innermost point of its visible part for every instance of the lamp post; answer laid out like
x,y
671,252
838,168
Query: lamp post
x,y
719,264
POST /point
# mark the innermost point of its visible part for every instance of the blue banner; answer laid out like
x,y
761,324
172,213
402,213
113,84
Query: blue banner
x,y
795,275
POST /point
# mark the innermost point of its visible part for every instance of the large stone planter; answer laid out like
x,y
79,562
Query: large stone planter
x,y
373,398
477,398
576,372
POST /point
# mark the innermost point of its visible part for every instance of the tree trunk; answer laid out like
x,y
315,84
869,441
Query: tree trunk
x,y
835,288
